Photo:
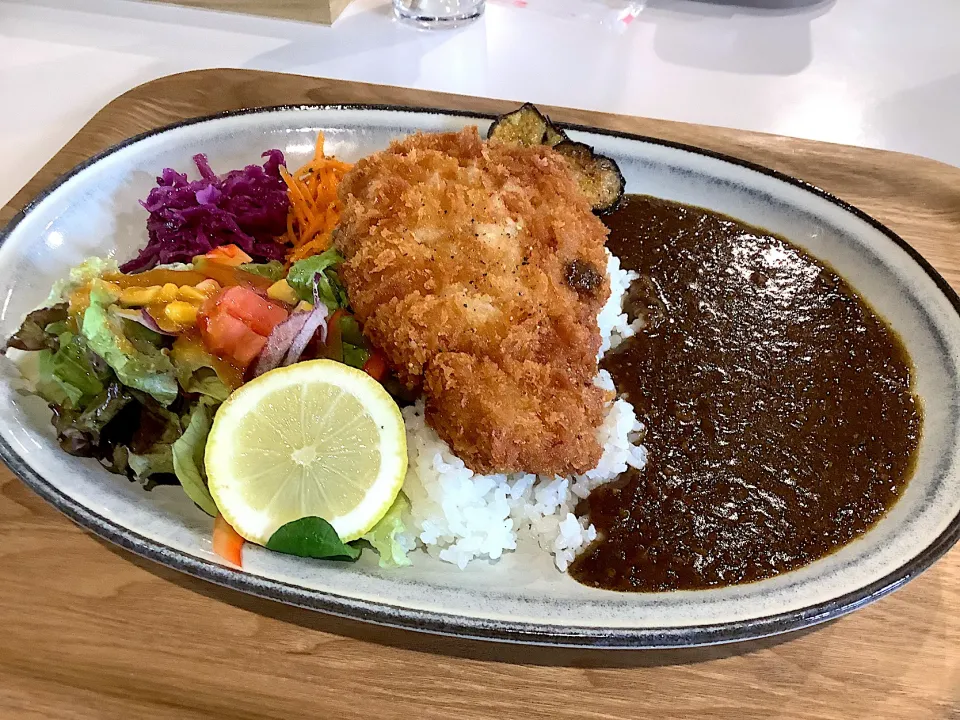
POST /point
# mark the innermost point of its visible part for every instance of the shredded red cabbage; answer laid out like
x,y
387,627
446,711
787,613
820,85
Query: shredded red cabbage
x,y
246,208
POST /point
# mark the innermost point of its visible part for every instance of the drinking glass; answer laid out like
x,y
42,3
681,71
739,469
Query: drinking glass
x,y
438,13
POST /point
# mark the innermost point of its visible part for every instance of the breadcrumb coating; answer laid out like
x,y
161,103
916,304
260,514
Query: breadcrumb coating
x,y
478,269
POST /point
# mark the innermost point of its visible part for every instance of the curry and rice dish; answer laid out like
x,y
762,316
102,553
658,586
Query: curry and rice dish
x,y
460,346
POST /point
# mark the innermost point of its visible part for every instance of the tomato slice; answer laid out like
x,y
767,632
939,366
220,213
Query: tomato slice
x,y
224,333
247,350
237,322
258,314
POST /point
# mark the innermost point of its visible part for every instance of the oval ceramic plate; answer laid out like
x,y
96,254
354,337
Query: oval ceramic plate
x,y
94,211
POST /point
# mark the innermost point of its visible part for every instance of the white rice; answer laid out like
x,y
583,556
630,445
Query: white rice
x,y
459,516
613,322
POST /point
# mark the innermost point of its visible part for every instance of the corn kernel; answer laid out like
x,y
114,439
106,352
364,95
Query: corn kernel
x,y
182,313
168,293
303,306
208,287
282,291
190,294
139,296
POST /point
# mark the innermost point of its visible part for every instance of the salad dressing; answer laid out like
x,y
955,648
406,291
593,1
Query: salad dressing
x,y
188,351
203,270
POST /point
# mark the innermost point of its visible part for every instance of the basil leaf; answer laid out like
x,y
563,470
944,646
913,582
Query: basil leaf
x,y
311,537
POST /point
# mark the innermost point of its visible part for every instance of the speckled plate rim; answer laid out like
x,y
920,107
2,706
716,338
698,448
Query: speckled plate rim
x,y
458,625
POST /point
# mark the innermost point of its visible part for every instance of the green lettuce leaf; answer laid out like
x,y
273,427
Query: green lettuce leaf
x,y
58,328
272,270
48,387
204,381
196,370
141,337
321,267
188,458
88,270
311,537
159,461
385,535
355,347
72,375
150,371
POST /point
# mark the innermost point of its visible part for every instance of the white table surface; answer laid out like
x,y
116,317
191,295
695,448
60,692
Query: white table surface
x,y
877,73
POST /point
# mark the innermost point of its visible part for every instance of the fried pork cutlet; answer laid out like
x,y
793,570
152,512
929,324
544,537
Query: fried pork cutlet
x,y
479,269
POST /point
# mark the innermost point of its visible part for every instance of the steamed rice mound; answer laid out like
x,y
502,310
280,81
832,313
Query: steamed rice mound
x,y
460,516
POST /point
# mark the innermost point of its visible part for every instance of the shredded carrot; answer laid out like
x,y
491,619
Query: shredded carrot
x,y
314,205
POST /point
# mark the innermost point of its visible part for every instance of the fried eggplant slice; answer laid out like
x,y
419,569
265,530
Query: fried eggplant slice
x,y
526,126
598,176
553,135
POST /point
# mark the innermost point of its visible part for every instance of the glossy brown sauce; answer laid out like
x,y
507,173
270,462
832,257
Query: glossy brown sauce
x,y
780,418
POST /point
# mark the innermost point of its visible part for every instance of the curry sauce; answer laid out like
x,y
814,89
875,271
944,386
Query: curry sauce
x,y
779,412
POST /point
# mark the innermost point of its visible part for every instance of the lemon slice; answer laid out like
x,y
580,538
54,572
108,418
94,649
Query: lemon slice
x,y
316,438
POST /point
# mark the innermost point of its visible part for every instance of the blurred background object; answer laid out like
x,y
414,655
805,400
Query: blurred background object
x,y
318,11
438,14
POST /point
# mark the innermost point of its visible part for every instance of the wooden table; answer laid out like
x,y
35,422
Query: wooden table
x,y
90,631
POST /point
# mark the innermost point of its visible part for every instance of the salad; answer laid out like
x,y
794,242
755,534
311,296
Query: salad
x,y
235,297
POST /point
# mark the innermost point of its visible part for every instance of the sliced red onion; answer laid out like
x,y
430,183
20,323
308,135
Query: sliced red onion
x,y
316,322
279,343
142,317
290,338
316,293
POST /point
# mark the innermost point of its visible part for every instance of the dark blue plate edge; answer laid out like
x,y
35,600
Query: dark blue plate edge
x,y
463,626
